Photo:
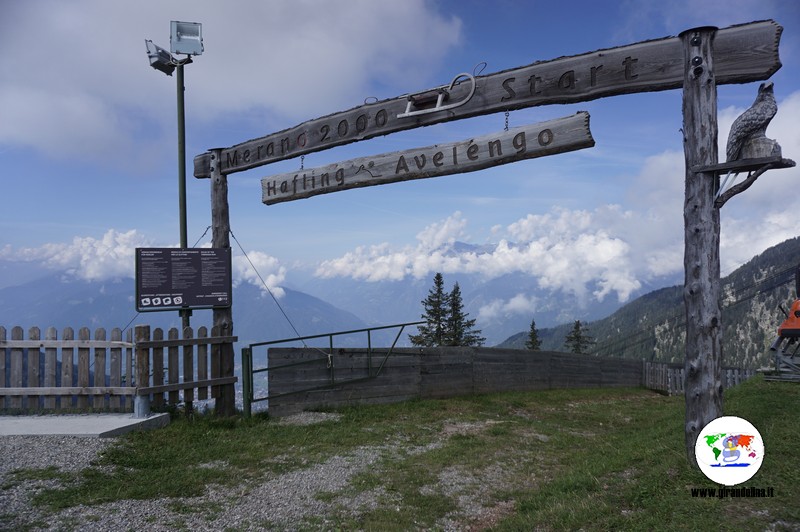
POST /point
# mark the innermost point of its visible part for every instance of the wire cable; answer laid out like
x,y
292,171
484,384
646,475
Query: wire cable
x,y
275,299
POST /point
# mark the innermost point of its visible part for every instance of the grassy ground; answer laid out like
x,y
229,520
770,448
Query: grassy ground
x,y
564,459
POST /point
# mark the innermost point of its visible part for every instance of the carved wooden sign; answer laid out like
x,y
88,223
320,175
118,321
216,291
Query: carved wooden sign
x,y
744,53
526,142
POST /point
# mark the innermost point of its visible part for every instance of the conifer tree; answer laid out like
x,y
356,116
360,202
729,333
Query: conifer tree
x,y
436,306
578,340
460,330
533,343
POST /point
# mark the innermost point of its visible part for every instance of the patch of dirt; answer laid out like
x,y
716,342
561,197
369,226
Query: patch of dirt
x,y
466,428
309,418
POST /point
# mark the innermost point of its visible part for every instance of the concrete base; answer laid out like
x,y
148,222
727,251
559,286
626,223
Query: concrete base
x,y
85,425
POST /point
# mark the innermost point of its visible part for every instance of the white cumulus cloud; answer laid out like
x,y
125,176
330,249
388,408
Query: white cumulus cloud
x,y
113,256
498,308
268,268
87,258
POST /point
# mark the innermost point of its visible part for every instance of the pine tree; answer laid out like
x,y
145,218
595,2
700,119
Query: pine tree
x,y
460,330
578,340
436,305
533,343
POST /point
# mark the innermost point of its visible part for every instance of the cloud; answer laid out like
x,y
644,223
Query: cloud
x,y
444,233
113,256
560,249
267,63
268,268
498,308
87,258
610,250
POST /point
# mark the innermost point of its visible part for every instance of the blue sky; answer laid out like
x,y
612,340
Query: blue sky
x,y
88,139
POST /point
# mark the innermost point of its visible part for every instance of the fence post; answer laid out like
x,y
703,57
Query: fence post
x,y
3,370
15,379
141,403
247,373
34,360
50,365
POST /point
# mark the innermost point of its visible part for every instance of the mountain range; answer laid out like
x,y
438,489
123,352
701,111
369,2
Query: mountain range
x,y
647,326
653,326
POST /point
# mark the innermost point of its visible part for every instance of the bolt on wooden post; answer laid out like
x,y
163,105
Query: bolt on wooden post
x,y
703,387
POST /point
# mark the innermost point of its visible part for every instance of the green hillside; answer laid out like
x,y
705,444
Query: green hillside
x,y
654,326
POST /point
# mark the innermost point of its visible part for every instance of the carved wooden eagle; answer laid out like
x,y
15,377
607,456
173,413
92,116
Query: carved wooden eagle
x,y
753,122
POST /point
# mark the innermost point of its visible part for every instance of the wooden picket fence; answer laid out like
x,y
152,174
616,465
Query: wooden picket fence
x,y
96,374
67,374
158,379
670,378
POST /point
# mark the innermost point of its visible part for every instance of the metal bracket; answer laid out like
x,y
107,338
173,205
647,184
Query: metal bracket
x,y
439,95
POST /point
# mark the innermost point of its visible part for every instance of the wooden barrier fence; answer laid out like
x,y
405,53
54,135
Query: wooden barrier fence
x,y
96,374
300,378
670,378
155,379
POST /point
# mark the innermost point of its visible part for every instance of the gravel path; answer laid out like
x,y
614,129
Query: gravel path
x,y
278,502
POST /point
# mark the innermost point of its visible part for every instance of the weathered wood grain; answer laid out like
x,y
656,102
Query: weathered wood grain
x,y
84,335
202,363
157,368
526,142
69,391
67,361
3,369
185,386
15,378
34,361
50,368
743,53
173,353
188,368
100,402
225,404
479,370
115,368
142,356
701,261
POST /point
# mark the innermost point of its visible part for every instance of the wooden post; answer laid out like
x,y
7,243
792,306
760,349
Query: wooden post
x,y
188,370
702,389
141,403
67,363
34,360
223,317
3,369
202,364
15,379
173,375
115,377
84,335
158,368
100,401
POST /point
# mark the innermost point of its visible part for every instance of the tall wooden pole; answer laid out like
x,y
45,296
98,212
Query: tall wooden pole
x,y
223,317
703,387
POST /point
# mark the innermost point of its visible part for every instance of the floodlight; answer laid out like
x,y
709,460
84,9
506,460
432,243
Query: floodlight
x,y
160,59
186,38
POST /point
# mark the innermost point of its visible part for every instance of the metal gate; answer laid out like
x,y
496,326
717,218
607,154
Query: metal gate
x,y
373,368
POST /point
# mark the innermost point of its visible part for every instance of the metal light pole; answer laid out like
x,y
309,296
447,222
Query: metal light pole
x,y
185,38
185,314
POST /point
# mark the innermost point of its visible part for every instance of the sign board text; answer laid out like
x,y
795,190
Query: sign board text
x,y
526,142
744,53
180,278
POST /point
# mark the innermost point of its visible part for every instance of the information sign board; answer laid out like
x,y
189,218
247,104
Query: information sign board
x,y
180,278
